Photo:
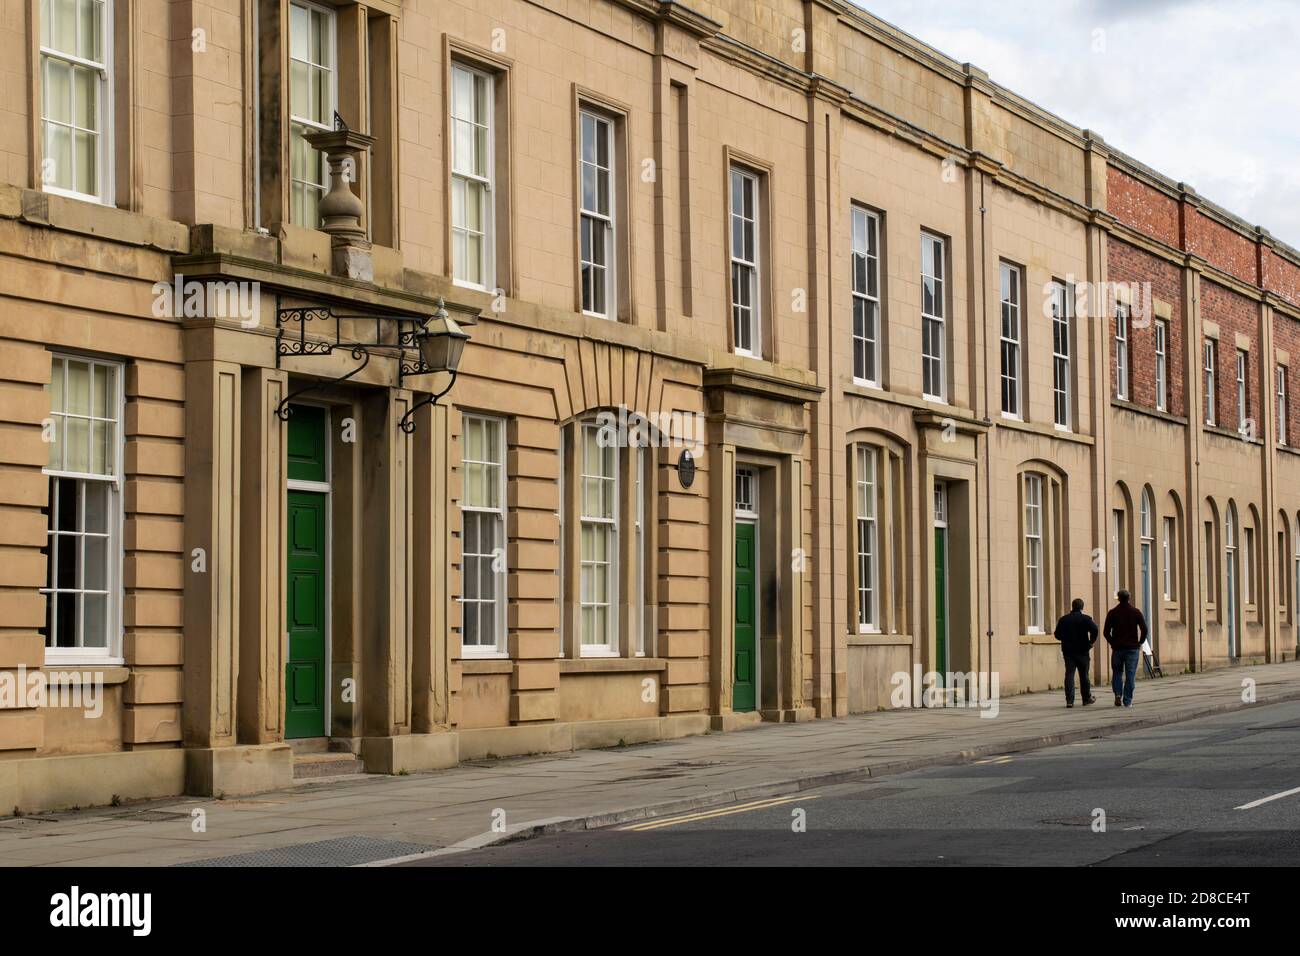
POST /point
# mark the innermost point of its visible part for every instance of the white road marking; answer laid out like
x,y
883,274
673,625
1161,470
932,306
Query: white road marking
x,y
1276,796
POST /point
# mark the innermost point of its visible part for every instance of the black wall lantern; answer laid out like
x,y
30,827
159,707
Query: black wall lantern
x,y
440,342
434,344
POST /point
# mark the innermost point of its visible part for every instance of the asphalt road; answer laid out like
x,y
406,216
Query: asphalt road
x,y
1183,795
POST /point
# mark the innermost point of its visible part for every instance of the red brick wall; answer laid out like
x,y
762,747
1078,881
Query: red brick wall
x,y
1140,207
1222,247
1286,338
1282,277
1127,264
1233,314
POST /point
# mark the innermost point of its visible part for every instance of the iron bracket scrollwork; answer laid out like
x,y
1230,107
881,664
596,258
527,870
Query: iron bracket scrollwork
x,y
290,342
407,424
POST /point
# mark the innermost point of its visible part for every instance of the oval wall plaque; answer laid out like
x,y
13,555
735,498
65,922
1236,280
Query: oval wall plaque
x,y
686,468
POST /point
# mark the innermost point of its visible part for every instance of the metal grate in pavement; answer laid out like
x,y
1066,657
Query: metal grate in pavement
x,y
341,851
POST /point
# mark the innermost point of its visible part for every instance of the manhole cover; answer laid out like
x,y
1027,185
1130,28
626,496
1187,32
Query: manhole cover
x,y
341,851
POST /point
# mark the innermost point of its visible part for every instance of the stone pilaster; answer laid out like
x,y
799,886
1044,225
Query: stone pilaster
x,y
212,503
262,532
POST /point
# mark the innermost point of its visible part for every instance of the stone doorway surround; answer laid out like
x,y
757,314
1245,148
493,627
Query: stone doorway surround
x,y
758,414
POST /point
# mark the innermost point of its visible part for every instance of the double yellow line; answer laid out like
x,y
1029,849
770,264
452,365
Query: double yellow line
x,y
709,814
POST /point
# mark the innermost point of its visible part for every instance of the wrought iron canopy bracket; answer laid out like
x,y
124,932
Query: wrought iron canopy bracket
x,y
290,342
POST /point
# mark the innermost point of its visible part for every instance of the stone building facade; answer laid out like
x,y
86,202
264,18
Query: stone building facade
x,y
871,335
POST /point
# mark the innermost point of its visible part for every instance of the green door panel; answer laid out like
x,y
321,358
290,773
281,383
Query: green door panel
x,y
305,668
744,687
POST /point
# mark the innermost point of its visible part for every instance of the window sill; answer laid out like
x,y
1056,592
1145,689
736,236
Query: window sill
x,y
1233,434
79,197
1164,416
876,639
486,665
1055,432
612,665
86,672
1040,640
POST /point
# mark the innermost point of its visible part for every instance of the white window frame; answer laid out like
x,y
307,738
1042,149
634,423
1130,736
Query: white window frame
x,y
331,19
1167,557
611,528
1062,302
1162,367
487,259
934,324
1230,542
1209,378
499,600
864,262
867,538
1248,564
640,560
104,138
592,221
1034,554
1279,376
746,493
1241,391
1011,319
111,653
1121,353
745,271
1147,552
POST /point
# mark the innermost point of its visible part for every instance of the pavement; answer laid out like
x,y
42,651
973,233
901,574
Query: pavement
x,y
1221,791
381,820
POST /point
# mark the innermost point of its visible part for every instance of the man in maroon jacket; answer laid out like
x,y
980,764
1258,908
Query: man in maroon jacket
x,y
1125,630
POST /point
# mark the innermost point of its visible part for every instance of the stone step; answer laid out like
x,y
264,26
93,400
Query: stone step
x,y
326,764
309,745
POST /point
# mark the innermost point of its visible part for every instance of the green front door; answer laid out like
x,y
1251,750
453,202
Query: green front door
x,y
941,603
743,689
306,580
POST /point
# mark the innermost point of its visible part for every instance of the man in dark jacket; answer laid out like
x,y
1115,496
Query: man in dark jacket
x,y
1077,632
1125,630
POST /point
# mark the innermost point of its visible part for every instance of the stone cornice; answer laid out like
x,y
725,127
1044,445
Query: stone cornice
x,y
670,11
221,266
761,378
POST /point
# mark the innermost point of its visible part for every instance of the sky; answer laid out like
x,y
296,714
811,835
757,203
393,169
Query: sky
x,y
1206,92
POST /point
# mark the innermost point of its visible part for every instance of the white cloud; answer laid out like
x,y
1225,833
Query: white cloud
x,y
1201,90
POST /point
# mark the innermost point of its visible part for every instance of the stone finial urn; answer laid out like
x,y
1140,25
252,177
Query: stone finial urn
x,y
341,209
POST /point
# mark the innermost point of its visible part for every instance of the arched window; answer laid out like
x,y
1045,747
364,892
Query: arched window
x,y
1232,568
866,484
1212,557
607,539
877,522
1042,578
1146,555
1034,552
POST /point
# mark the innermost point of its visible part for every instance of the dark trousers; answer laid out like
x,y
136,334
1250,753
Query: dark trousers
x,y
1080,661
